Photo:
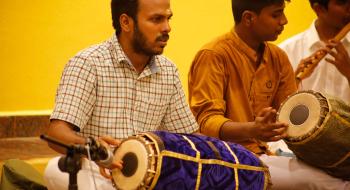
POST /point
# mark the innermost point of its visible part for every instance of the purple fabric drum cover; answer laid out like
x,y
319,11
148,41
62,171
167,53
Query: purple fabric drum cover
x,y
201,162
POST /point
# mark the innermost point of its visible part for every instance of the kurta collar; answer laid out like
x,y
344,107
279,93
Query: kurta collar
x,y
251,54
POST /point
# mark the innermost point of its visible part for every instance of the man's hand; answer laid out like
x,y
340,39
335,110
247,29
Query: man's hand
x,y
266,128
307,66
341,59
108,142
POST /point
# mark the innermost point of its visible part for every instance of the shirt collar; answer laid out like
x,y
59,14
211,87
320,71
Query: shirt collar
x,y
313,40
122,58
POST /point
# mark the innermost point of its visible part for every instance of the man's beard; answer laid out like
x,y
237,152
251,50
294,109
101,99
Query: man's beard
x,y
139,43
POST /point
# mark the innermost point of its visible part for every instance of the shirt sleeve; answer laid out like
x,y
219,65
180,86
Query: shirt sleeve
x,y
178,117
206,92
287,85
76,93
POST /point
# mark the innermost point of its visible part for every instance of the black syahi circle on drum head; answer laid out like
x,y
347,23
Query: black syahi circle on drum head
x,y
130,164
299,114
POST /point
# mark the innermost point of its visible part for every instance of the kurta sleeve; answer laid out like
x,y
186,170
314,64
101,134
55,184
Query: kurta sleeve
x,y
206,92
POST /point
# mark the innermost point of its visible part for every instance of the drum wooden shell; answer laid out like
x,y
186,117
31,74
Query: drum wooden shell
x,y
163,160
319,131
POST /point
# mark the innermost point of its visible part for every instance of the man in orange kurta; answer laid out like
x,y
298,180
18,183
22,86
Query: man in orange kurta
x,y
227,85
238,81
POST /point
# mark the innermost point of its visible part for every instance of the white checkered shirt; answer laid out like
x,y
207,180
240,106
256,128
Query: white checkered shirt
x,y
101,93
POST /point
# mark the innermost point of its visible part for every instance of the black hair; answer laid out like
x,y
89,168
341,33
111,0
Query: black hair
x,y
239,6
119,7
323,3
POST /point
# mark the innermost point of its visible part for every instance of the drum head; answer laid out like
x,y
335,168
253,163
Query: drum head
x,y
135,157
302,112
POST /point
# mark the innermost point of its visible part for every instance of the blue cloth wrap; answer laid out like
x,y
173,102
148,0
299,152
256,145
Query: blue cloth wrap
x,y
215,163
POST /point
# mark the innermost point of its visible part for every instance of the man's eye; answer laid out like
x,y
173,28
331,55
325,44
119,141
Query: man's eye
x,y
276,15
157,19
342,2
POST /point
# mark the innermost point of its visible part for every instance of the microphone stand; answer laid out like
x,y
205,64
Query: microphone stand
x,y
71,163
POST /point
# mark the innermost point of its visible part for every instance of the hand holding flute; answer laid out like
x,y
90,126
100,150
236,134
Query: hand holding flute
x,y
341,58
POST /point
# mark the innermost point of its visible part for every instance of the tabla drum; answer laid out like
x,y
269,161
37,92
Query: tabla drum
x,y
319,131
163,160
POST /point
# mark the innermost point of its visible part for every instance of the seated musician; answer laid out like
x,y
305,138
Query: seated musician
x,y
237,82
118,88
331,75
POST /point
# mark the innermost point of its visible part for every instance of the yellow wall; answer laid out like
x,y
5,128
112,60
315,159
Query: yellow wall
x,y
38,37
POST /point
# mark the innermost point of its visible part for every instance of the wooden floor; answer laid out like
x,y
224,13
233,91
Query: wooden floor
x,y
19,137
24,148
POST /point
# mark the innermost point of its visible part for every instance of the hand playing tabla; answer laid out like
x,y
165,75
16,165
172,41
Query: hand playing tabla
x,y
108,142
266,128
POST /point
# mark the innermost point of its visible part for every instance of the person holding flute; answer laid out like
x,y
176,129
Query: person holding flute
x,y
320,54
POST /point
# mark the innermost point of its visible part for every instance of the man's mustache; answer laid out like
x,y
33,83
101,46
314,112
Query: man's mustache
x,y
163,38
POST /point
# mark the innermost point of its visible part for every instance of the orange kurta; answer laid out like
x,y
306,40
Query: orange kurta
x,y
225,86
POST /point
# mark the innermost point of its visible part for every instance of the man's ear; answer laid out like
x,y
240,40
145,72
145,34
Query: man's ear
x,y
319,9
248,17
126,23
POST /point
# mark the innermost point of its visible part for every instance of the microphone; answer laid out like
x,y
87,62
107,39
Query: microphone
x,y
98,153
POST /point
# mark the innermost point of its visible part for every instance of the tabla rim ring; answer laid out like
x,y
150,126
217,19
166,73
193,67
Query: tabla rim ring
x,y
281,114
148,151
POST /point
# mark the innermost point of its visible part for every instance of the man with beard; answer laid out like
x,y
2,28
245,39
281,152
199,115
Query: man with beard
x,y
119,88
238,81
